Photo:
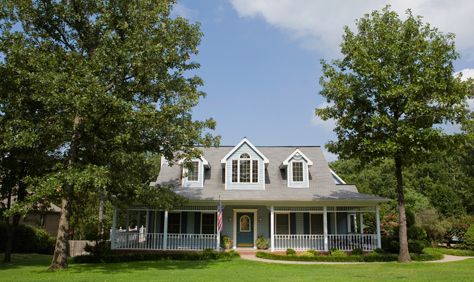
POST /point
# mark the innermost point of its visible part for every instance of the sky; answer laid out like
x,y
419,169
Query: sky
x,y
260,60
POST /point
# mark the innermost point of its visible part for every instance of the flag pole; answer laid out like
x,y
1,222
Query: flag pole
x,y
218,239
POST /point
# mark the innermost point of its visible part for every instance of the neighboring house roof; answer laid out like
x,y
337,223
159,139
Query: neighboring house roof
x,y
322,186
38,207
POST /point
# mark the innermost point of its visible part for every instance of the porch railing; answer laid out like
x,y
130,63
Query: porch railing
x,y
154,241
348,242
299,242
345,242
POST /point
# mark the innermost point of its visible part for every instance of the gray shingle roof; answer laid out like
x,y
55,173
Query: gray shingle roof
x,y
321,187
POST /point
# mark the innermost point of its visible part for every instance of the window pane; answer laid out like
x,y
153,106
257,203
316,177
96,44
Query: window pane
x,y
245,156
207,225
297,171
282,224
245,171
255,171
317,224
193,172
245,224
234,171
174,222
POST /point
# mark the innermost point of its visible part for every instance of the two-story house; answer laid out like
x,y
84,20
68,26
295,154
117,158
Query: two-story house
x,y
287,194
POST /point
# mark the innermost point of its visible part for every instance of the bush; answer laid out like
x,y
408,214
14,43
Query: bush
x,y
338,253
262,243
99,249
469,238
226,242
28,239
208,254
290,252
307,254
379,251
416,246
357,252
371,257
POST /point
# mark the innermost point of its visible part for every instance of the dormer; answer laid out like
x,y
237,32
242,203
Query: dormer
x,y
193,172
244,167
297,169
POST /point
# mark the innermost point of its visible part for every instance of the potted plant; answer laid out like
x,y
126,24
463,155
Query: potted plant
x,y
262,243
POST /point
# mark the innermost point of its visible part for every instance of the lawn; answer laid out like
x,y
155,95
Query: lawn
x,y
33,268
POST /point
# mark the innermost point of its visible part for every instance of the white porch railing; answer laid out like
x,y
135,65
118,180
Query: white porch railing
x,y
154,241
299,242
191,241
348,242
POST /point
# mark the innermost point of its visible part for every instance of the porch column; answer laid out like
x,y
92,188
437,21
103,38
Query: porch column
x,y
114,227
361,223
272,228
165,231
218,239
325,228
377,217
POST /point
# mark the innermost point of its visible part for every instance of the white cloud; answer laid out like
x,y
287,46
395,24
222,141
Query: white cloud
x,y
318,24
183,11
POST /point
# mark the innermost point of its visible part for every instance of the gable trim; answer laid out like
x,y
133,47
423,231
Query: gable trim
x,y
297,151
245,140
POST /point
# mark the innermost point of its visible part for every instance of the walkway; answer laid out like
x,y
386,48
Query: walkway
x,y
252,257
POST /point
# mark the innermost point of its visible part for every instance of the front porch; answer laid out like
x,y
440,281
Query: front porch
x,y
195,228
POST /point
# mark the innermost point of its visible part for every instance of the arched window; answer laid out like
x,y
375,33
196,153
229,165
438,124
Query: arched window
x,y
245,224
245,169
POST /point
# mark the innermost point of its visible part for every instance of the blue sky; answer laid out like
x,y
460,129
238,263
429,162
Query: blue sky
x,y
260,62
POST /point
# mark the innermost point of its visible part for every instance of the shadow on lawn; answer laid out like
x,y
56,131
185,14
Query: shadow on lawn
x,y
41,263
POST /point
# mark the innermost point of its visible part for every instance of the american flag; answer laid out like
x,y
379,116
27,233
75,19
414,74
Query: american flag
x,y
219,216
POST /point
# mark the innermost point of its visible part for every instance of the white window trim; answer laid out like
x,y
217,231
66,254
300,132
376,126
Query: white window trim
x,y
198,172
250,224
251,171
186,183
298,184
293,173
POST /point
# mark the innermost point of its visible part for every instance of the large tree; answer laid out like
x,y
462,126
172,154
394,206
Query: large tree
x,y
393,85
118,77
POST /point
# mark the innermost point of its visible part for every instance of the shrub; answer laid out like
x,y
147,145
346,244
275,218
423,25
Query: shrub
x,y
226,242
314,252
290,252
416,246
28,239
307,254
99,249
338,253
379,251
469,238
357,252
208,254
371,257
262,243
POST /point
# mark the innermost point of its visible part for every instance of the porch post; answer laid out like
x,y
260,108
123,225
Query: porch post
x,y
361,223
272,228
377,217
114,227
325,228
218,239
165,231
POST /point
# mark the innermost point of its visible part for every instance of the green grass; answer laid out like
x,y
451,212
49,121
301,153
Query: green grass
x,y
453,252
33,268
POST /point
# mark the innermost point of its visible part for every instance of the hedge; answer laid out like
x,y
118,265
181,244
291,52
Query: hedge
x,y
28,239
371,257
208,254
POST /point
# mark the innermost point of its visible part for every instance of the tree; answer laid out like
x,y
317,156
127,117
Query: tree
x,y
117,76
394,84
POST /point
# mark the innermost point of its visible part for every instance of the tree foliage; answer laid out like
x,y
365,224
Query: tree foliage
x,y
393,85
113,80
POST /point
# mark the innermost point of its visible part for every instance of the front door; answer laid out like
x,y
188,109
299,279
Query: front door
x,y
245,229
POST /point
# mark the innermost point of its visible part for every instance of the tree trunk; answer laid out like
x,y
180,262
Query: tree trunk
x,y
404,255
61,249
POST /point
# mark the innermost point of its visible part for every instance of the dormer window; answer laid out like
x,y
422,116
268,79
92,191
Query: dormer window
x,y
193,171
297,171
245,170
297,168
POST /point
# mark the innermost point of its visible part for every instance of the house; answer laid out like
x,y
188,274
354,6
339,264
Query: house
x,y
287,194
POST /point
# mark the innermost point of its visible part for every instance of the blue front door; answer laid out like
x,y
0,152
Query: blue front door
x,y
245,229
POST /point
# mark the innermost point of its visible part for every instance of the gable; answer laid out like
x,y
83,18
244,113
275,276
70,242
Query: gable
x,y
245,146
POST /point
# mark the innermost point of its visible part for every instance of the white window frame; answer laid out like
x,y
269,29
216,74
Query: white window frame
x,y
293,171
198,173
251,170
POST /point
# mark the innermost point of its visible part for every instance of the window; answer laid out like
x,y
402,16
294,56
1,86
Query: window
x,y
245,224
245,170
193,172
316,221
207,225
297,168
235,173
255,171
282,225
174,222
